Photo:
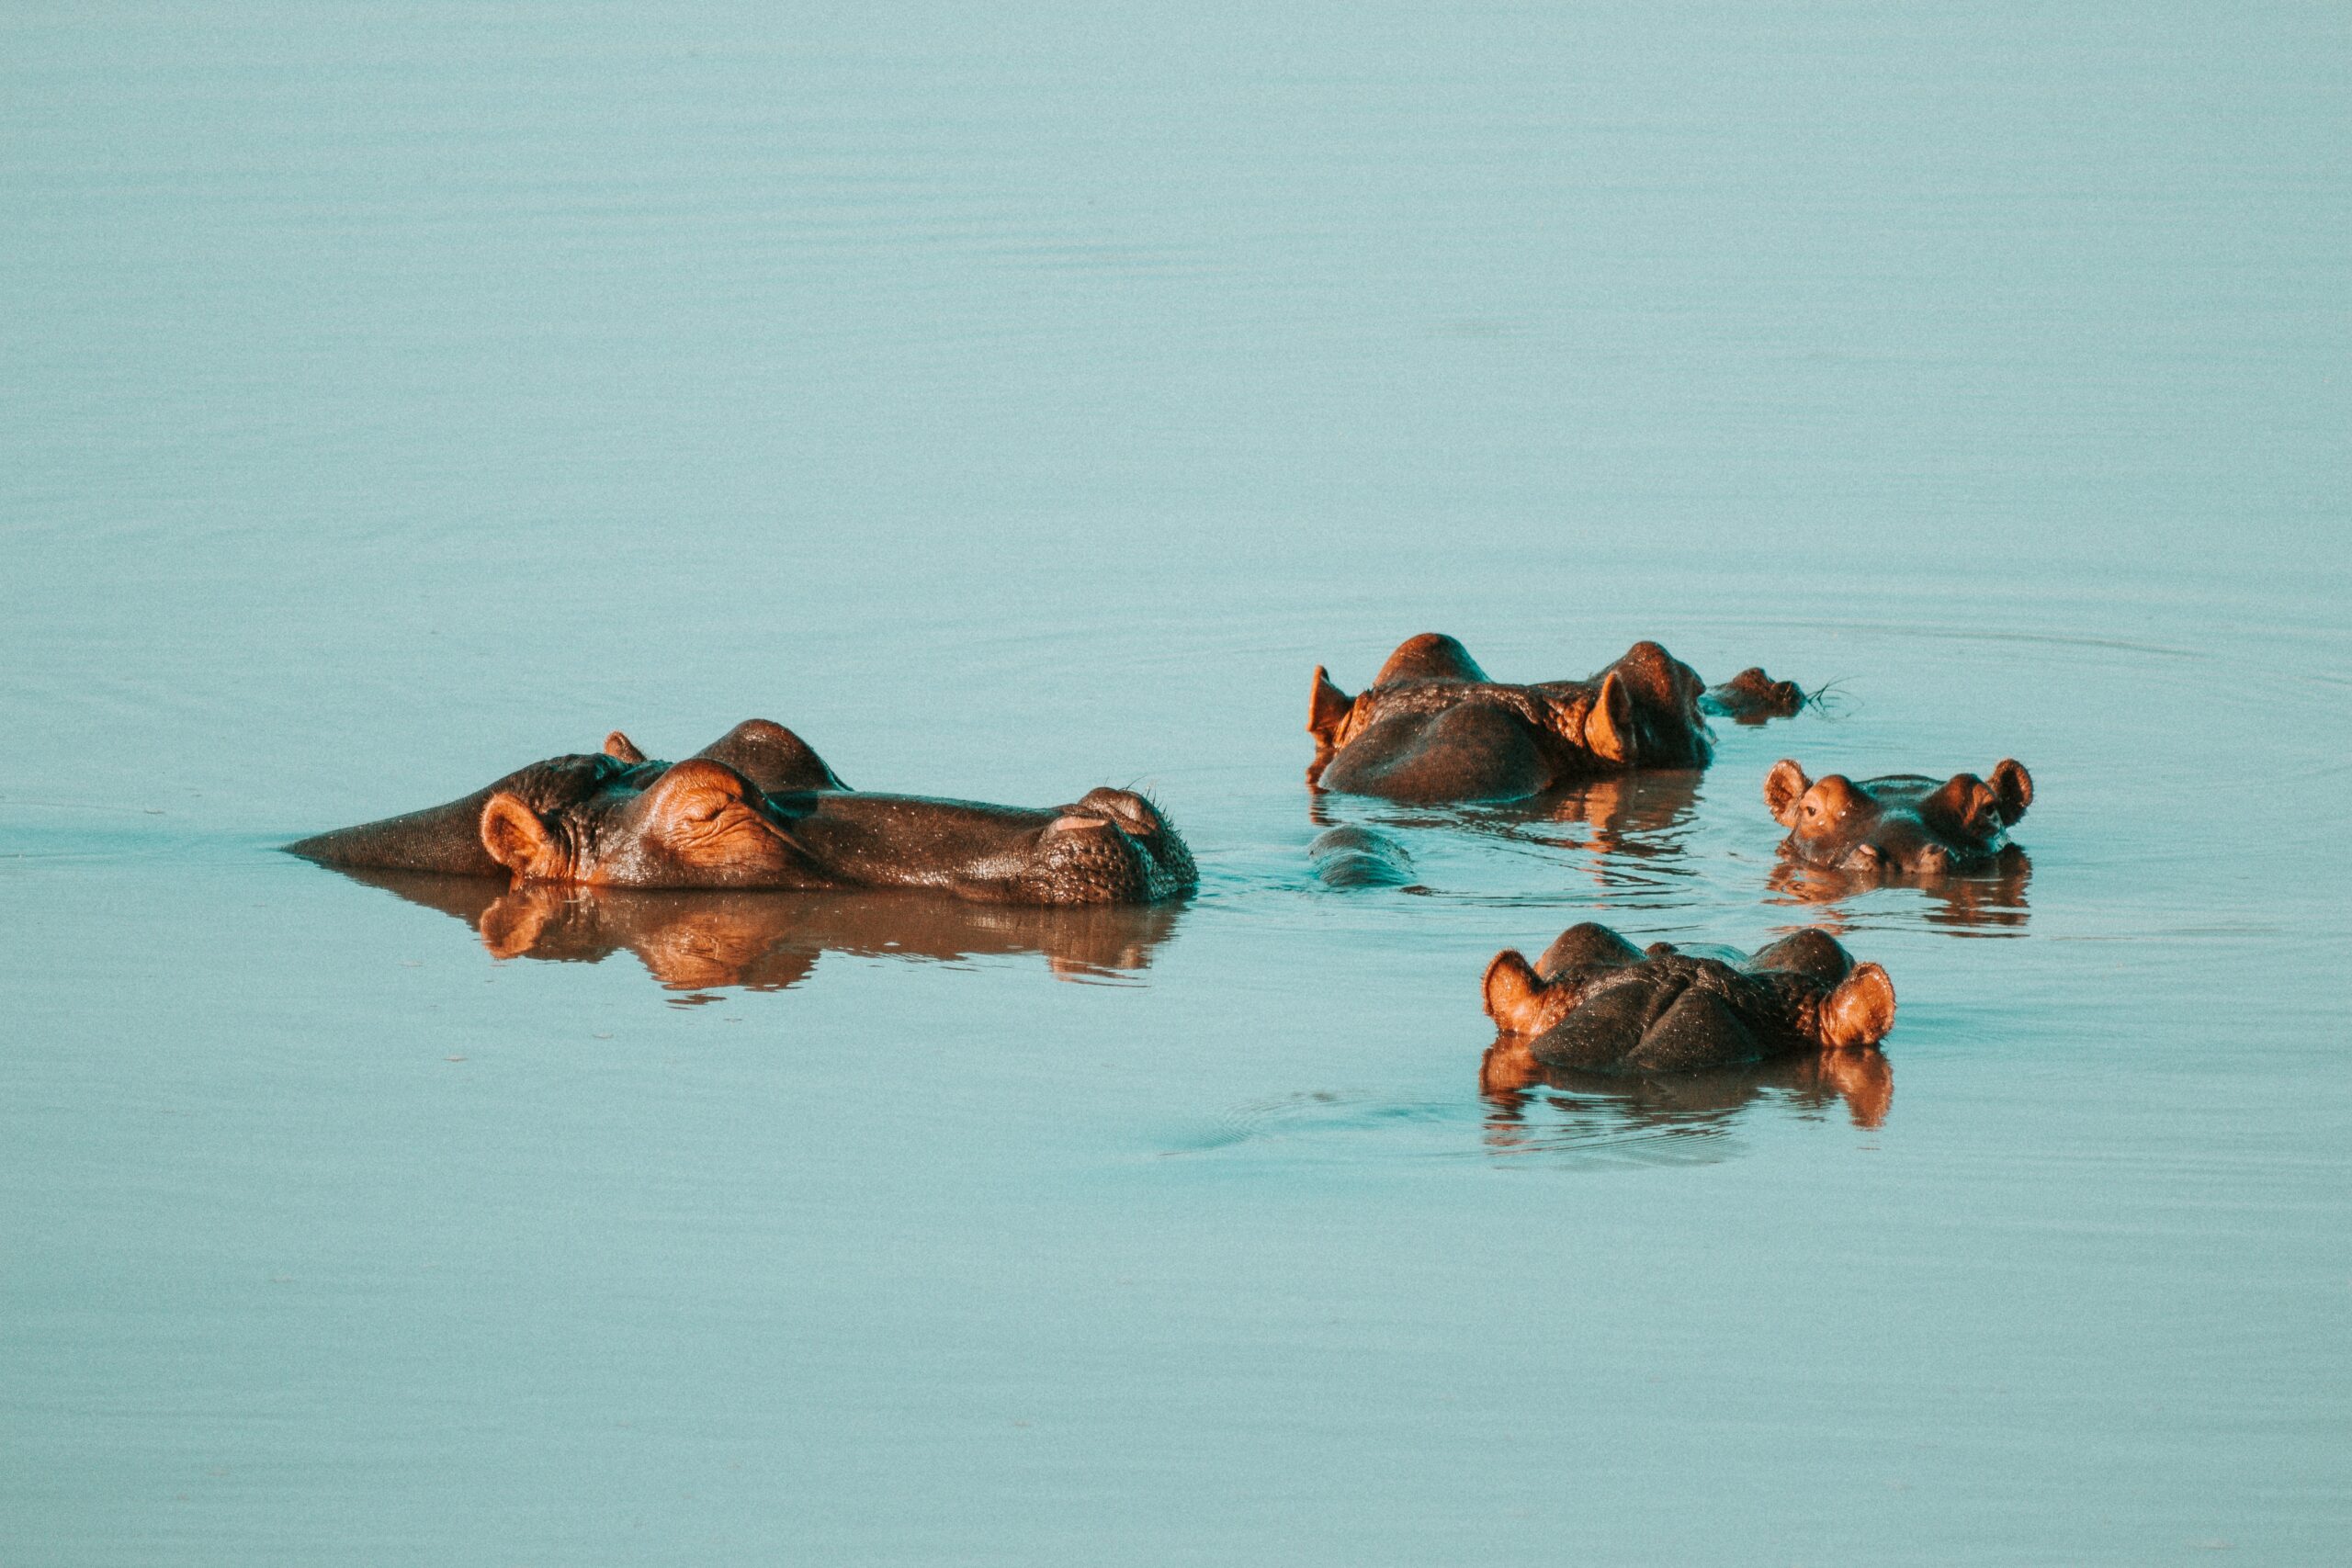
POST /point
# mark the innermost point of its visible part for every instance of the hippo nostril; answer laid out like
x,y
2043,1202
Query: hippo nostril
x,y
1078,824
1935,858
1125,807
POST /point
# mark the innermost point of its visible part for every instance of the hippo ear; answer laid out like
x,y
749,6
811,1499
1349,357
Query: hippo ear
x,y
1609,724
1966,802
1860,1012
2013,786
517,840
1326,709
617,745
1514,993
1783,787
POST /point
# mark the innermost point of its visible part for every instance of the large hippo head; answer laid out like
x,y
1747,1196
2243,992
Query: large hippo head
x,y
1594,1002
1903,822
758,809
1434,726
692,824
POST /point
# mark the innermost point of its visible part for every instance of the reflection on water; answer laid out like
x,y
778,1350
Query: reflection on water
x,y
1556,1118
1022,397
1988,903
1521,1093
1634,814
1628,833
1640,814
702,940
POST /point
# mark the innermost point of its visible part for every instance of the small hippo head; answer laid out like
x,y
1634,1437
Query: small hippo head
x,y
1594,1000
1112,846
1751,697
1903,823
695,824
1646,713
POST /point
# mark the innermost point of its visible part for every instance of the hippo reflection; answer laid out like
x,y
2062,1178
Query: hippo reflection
x,y
1989,900
1903,822
1435,726
1632,825
1603,1107
758,809
766,941
1595,1003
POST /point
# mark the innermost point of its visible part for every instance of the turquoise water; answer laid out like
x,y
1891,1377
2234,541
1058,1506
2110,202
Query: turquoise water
x,y
1021,402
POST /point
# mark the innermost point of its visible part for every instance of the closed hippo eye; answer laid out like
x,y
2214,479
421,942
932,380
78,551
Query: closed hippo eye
x,y
701,813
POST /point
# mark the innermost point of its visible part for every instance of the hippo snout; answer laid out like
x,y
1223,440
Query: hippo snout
x,y
1124,807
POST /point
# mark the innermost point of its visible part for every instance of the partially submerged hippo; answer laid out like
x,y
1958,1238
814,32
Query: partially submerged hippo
x,y
1434,726
1350,856
1594,1002
758,809
1752,697
1902,823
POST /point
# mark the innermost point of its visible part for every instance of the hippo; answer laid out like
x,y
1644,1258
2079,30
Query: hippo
x,y
1434,727
1350,856
758,809
763,940
1595,1003
1902,823
1752,697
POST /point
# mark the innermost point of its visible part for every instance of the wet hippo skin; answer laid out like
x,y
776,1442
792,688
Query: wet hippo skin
x,y
1595,1003
1434,726
1902,823
1350,856
758,809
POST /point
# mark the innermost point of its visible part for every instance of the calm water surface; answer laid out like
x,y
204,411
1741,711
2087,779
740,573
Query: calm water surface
x,y
1013,404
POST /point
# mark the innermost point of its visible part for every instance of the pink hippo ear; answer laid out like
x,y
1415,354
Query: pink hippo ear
x,y
1860,1012
621,747
1609,725
518,841
1326,709
1783,787
1517,999
2014,786
1966,802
